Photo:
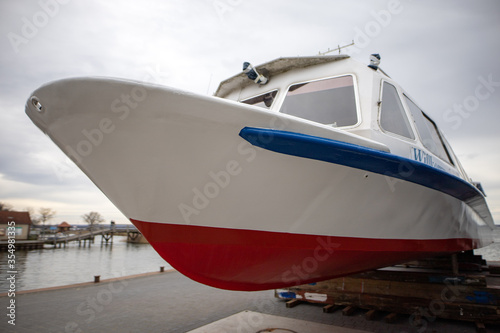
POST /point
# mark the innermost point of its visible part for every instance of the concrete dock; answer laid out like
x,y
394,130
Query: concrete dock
x,y
170,302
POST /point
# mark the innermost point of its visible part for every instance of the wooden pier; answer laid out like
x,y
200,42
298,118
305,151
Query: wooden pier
x,y
83,237
462,288
22,245
136,237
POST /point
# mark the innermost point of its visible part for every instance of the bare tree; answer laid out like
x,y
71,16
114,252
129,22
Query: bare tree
x,y
5,206
34,219
46,214
92,218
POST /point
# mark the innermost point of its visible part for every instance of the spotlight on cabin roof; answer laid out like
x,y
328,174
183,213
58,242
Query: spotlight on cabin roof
x,y
253,75
374,61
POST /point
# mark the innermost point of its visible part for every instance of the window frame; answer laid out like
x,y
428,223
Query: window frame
x,y
440,137
408,115
454,158
356,99
276,97
442,140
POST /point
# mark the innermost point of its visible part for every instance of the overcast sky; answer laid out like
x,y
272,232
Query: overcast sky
x,y
445,54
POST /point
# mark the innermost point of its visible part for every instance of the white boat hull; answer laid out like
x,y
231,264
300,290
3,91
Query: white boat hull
x,y
228,213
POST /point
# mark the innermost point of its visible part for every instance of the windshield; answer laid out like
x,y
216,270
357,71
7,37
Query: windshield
x,y
330,101
264,101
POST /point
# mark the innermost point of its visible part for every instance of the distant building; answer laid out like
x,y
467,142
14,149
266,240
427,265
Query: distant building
x,y
21,222
63,227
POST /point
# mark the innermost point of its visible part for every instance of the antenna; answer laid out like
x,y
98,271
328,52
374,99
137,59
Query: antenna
x,y
209,83
337,49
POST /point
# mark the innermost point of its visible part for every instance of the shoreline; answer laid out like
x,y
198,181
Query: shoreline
x,y
90,283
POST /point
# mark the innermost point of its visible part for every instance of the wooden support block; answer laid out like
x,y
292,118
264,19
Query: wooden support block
x,y
330,308
480,328
391,317
370,315
454,264
494,269
348,310
292,303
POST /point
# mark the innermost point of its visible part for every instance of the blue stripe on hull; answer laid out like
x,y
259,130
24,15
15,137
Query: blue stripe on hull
x,y
359,157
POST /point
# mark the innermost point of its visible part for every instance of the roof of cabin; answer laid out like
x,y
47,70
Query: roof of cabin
x,y
273,68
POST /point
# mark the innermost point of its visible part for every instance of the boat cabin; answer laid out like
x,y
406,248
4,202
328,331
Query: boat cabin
x,y
342,93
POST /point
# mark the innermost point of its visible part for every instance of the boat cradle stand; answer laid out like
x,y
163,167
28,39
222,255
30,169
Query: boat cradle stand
x,y
459,287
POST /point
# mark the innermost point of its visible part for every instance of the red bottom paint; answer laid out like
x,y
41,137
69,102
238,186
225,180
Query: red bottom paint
x,y
251,260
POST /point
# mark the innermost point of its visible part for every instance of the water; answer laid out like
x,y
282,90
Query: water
x,y
492,251
51,267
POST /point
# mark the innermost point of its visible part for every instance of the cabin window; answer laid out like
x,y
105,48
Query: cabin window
x,y
264,100
330,101
393,117
429,134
